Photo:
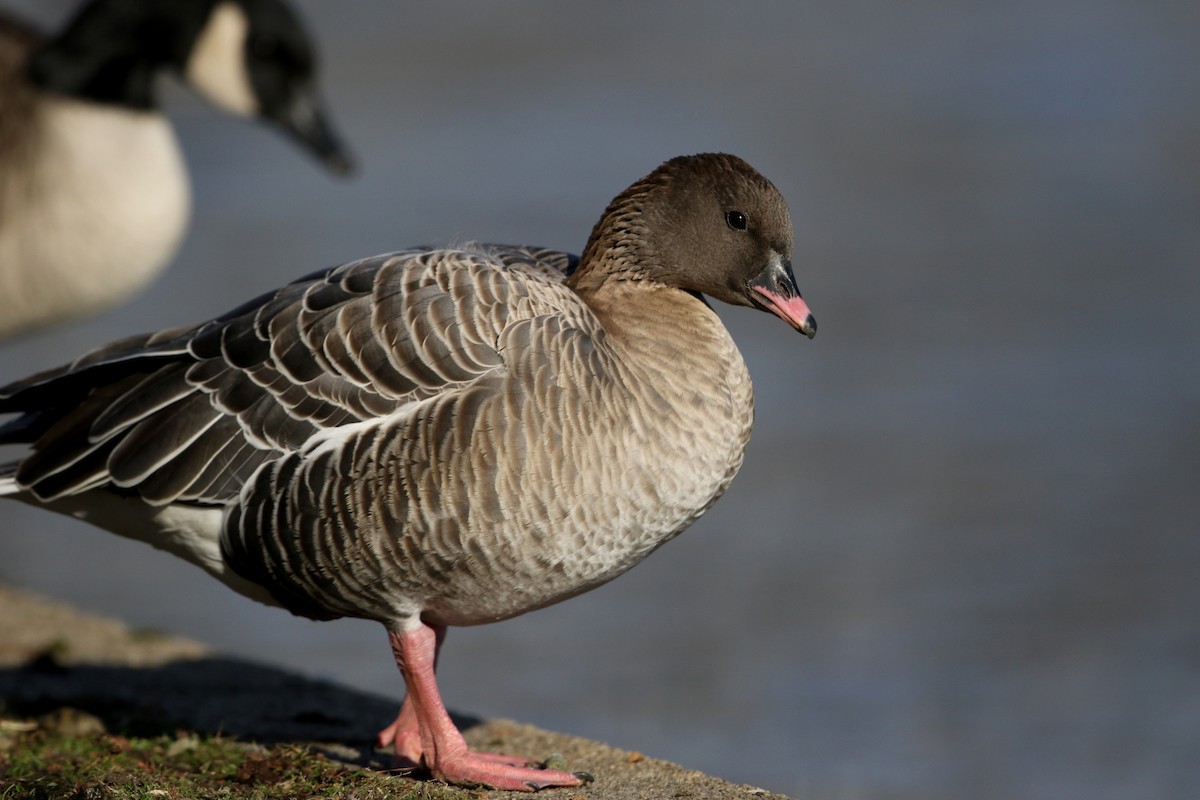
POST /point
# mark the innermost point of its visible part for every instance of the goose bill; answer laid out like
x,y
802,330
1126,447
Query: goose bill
x,y
307,122
774,290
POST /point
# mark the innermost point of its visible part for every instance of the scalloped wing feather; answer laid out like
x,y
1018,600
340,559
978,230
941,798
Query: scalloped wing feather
x,y
188,415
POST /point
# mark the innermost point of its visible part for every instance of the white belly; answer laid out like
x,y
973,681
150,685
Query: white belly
x,y
94,206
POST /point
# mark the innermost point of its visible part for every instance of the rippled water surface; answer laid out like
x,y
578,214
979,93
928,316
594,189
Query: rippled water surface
x,y
961,559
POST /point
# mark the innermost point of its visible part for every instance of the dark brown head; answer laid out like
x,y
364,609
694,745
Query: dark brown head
x,y
706,223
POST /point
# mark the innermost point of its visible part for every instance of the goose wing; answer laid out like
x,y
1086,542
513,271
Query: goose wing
x,y
188,414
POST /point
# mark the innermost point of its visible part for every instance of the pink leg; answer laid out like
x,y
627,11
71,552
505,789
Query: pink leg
x,y
423,719
405,734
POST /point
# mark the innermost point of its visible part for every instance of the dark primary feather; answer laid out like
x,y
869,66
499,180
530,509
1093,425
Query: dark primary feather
x,y
189,414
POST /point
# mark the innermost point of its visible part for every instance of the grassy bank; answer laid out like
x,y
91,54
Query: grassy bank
x,y
68,755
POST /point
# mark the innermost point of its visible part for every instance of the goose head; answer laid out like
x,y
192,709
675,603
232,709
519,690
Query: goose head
x,y
251,58
709,224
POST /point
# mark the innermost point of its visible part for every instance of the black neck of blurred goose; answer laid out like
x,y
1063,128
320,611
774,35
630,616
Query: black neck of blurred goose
x,y
112,51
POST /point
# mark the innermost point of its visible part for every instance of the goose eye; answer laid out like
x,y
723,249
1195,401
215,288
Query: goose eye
x,y
736,220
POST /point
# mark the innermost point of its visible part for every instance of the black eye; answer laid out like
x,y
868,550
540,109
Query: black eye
x,y
736,220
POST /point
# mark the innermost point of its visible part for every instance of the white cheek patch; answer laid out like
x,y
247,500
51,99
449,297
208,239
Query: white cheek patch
x,y
217,64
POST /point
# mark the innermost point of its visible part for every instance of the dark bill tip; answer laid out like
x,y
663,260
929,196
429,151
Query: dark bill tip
x,y
308,124
774,289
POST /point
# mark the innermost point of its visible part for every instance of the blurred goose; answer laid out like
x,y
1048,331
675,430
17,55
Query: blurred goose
x,y
93,191
435,437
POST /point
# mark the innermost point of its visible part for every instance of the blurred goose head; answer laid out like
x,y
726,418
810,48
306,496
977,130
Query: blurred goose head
x,y
251,58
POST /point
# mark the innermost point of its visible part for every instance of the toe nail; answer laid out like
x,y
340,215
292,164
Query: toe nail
x,y
586,777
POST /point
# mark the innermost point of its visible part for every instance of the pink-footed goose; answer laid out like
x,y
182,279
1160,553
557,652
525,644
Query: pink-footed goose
x,y
435,437
94,195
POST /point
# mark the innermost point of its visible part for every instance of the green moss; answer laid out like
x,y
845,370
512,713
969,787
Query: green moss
x,y
42,764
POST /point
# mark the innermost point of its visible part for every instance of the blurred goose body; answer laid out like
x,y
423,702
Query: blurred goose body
x,y
94,196
435,437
